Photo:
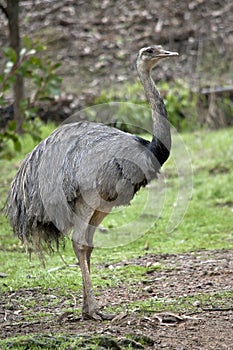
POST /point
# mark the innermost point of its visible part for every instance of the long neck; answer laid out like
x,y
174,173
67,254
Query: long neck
x,y
161,141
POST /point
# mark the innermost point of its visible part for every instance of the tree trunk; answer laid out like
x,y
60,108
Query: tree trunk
x,y
14,36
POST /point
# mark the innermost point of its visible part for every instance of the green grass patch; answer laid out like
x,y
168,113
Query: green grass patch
x,y
184,304
62,342
207,224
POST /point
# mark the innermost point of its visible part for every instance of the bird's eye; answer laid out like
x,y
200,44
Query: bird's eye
x,y
149,51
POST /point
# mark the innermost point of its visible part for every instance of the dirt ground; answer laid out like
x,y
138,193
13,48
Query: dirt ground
x,y
206,324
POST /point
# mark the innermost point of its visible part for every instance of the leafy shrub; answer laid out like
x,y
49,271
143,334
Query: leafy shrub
x,y
180,102
40,75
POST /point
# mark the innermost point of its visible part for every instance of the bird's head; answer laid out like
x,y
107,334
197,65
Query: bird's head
x,y
149,56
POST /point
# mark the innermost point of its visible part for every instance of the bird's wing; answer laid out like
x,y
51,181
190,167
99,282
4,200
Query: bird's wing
x,y
81,159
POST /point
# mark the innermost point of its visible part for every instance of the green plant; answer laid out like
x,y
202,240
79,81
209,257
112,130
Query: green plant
x,y
180,102
40,74
228,109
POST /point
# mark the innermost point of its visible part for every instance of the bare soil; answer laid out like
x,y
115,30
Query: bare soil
x,y
200,324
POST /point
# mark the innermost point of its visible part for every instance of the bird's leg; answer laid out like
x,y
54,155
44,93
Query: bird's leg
x,y
88,253
89,302
89,239
95,221
82,250
83,246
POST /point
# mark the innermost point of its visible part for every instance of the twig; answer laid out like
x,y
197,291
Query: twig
x,y
62,259
24,324
5,316
218,309
60,267
75,300
217,90
168,318
172,337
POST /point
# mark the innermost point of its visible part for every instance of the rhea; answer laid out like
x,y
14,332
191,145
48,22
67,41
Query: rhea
x,y
74,177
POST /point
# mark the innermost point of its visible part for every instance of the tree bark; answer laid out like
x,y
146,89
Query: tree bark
x,y
12,10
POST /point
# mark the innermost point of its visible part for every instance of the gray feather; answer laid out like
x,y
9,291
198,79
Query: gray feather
x,y
75,162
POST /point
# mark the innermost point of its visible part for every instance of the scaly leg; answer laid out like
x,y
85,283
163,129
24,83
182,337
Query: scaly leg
x,y
80,245
89,303
86,223
95,221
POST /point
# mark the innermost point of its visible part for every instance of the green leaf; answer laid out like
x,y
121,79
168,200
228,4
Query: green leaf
x,y
2,101
56,66
12,125
27,42
36,61
10,54
15,139
23,103
17,145
41,47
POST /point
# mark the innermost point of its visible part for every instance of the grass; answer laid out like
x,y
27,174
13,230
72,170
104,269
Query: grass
x,y
207,223
198,183
63,342
183,304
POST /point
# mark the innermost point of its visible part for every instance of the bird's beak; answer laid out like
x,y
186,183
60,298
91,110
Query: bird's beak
x,y
165,53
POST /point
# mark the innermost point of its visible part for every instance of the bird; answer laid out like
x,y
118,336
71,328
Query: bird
x,y
72,179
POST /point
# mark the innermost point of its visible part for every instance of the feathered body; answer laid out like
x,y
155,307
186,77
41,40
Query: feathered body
x,y
76,161
73,178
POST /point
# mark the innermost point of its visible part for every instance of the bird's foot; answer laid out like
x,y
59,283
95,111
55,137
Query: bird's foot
x,y
97,315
